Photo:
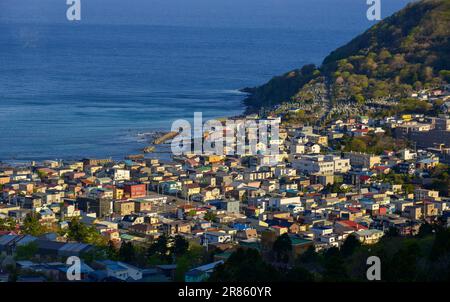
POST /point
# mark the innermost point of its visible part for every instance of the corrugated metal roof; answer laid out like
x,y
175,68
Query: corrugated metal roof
x,y
73,247
49,245
7,239
26,240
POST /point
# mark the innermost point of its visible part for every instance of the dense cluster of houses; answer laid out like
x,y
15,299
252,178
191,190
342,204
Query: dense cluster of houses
x,y
316,195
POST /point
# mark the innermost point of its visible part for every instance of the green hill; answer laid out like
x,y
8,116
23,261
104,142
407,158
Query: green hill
x,y
405,52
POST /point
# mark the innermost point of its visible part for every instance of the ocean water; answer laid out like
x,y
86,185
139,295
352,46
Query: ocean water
x,y
73,90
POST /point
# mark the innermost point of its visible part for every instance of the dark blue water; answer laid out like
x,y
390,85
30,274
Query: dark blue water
x,y
75,90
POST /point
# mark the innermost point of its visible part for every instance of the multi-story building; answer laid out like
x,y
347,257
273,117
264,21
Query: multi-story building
x,y
100,206
319,164
121,174
123,207
362,160
135,190
231,206
421,194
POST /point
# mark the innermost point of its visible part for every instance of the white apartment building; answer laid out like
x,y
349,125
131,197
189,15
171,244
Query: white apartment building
x,y
121,174
320,164
284,201
216,237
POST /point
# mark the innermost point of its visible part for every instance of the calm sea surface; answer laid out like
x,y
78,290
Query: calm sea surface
x,y
75,90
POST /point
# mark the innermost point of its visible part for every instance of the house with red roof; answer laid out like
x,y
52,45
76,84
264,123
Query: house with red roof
x,y
348,226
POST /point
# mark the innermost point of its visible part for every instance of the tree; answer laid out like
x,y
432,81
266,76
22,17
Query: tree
x,y
441,179
183,265
111,250
392,232
299,274
245,265
336,188
334,266
359,99
445,75
32,225
160,249
79,232
127,252
309,256
210,216
282,248
97,253
357,145
26,252
349,246
409,188
425,230
7,224
192,258
180,246
441,244
403,265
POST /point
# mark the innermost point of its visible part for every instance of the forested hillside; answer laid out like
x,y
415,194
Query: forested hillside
x,y
405,52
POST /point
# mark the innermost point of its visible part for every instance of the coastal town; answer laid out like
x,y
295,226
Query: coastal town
x,y
151,220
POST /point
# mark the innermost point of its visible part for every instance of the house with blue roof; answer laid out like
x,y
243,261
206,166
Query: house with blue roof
x,y
119,270
201,273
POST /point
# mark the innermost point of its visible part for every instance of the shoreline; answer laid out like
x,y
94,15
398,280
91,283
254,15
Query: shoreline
x,y
147,138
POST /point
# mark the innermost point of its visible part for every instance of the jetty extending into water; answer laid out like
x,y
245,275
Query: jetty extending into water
x,y
165,137
158,139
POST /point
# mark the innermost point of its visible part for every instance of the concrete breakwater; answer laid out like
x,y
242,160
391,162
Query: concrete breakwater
x,y
165,137
158,139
